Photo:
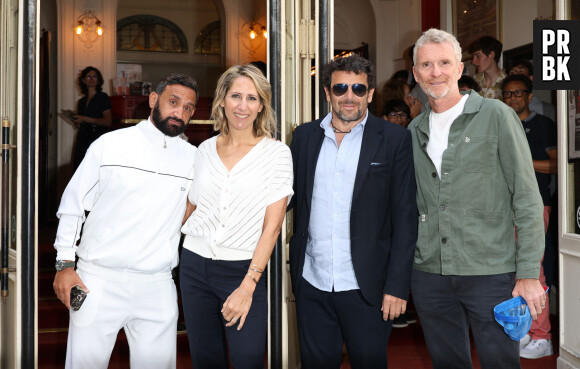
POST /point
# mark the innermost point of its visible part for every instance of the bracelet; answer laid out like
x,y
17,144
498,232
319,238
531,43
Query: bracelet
x,y
259,270
256,270
253,278
242,291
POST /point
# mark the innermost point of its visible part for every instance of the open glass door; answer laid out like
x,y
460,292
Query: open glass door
x,y
304,36
569,211
9,95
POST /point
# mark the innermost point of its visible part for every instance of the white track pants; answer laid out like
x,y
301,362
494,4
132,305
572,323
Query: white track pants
x,y
147,310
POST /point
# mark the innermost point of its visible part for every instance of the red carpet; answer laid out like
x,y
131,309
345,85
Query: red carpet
x,y
407,350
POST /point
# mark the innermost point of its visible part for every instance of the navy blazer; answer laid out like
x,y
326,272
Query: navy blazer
x,y
383,219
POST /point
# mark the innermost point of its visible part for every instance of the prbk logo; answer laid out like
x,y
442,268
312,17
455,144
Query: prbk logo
x,y
556,55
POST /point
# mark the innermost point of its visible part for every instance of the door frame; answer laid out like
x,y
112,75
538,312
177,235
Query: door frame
x,y
27,169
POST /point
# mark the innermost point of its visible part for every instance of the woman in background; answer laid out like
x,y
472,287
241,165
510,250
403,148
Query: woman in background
x,y
398,89
242,183
93,114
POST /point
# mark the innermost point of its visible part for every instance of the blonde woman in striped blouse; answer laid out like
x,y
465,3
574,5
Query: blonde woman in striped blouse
x,y
242,184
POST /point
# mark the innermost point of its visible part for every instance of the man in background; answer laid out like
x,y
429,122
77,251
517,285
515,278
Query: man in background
x,y
525,68
541,134
486,52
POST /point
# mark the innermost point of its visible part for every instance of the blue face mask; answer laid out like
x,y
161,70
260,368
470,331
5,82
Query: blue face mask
x,y
514,316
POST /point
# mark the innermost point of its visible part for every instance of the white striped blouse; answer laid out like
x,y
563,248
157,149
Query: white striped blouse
x,y
231,205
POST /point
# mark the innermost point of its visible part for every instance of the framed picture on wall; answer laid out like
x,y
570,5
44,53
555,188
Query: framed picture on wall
x,y
473,19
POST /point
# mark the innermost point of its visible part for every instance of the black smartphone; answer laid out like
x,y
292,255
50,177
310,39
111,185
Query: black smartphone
x,y
77,297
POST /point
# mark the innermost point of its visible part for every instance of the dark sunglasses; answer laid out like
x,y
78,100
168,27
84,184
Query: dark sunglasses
x,y
358,89
518,93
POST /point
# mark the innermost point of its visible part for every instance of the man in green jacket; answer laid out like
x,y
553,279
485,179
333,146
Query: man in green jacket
x,y
480,214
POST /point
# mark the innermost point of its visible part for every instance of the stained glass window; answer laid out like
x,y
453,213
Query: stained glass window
x,y
150,33
208,40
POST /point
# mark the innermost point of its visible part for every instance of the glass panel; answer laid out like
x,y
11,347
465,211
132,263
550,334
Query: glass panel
x,y
573,124
8,97
290,70
190,30
290,85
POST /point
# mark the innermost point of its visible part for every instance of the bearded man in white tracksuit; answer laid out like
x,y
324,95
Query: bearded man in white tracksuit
x,y
134,182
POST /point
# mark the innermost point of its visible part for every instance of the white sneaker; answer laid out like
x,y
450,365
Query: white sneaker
x,y
524,341
537,349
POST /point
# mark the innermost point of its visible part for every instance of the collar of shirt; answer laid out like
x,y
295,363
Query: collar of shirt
x,y
530,117
156,136
328,261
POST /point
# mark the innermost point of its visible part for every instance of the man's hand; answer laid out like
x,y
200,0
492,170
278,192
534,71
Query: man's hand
x,y
64,281
533,292
393,307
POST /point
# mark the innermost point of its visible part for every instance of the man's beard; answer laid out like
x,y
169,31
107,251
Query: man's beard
x,y
431,93
355,116
163,124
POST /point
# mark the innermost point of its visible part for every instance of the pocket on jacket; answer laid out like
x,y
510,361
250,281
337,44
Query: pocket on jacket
x,y
478,153
481,233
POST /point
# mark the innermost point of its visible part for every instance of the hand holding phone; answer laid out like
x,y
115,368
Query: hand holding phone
x,y
77,297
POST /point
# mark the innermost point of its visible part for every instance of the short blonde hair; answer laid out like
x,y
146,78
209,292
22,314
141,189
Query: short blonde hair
x,y
265,124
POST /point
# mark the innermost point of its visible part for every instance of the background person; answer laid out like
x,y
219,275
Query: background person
x,y
525,68
398,89
93,114
242,183
541,134
134,182
475,181
466,83
486,52
397,111
356,224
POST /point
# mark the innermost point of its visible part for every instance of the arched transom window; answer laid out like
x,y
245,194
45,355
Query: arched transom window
x,y
150,33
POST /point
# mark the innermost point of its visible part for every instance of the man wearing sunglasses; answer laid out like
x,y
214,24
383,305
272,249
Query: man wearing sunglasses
x,y
475,184
356,224
541,135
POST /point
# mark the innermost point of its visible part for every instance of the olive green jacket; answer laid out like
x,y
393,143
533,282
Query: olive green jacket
x,y
487,188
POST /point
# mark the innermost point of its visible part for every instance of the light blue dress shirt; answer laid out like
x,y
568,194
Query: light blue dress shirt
x,y
328,262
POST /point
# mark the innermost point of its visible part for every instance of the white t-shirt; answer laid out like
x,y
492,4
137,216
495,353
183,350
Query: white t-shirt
x,y
231,205
439,124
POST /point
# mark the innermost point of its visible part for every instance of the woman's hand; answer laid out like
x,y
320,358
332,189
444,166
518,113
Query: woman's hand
x,y
80,119
237,307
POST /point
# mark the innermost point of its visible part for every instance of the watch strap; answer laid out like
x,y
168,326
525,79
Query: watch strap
x,y
63,264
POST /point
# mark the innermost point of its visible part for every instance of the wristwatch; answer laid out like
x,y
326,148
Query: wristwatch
x,y
63,264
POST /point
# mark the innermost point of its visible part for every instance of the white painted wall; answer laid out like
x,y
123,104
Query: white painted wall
x,y
72,57
398,26
354,24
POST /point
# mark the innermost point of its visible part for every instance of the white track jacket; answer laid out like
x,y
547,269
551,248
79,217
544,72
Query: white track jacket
x,y
134,181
